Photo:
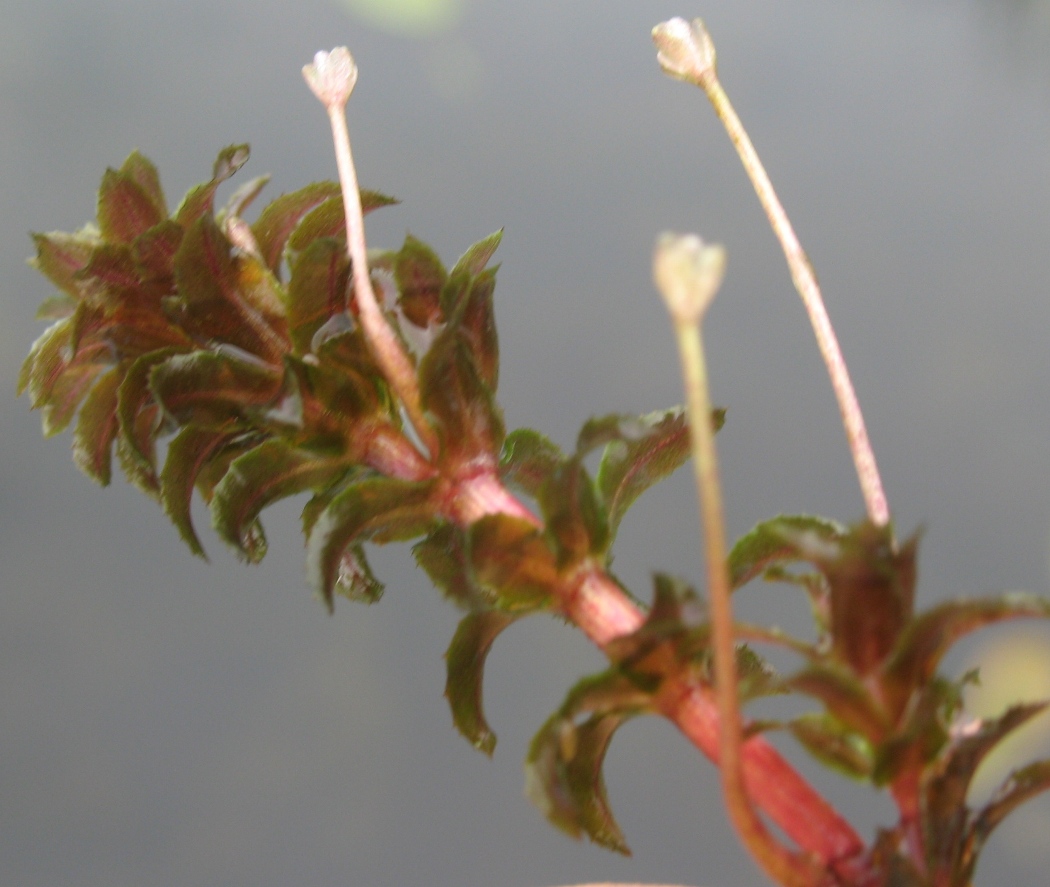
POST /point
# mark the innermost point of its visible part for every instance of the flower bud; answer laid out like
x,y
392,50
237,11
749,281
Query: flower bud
x,y
688,273
685,50
332,76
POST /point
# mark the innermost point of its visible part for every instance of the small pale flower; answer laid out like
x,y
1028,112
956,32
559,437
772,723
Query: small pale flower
x,y
332,76
685,50
688,273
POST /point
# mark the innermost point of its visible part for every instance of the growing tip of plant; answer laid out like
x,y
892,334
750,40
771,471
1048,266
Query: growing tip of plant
x,y
685,50
332,76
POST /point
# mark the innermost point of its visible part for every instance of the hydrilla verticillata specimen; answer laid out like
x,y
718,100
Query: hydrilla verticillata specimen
x,y
253,361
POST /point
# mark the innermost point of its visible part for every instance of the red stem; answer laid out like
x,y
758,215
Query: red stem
x,y
599,608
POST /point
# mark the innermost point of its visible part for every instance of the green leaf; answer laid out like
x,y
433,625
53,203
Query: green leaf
x,y
834,745
476,322
111,264
465,661
931,634
125,208
774,542
227,296
845,697
141,170
528,460
444,557
1022,785
271,471
316,291
139,417
328,220
188,453
60,257
474,260
576,521
155,250
378,509
563,770
512,562
243,197
200,200
211,389
280,217
945,813
419,276
468,420
96,429
639,452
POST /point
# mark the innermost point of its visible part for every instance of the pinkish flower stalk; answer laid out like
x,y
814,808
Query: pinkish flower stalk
x,y
332,77
685,51
688,274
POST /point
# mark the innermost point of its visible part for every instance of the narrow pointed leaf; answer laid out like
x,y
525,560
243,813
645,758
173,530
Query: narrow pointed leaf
x,y
419,276
1022,785
845,697
465,663
834,745
528,460
210,389
271,471
931,634
774,542
225,300
244,196
188,453
155,250
96,428
563,770
477,324
474,260
328,220
444,557
278,219
133,398
639,452
577,523
317,291
469,422
200,201
945,810
378,509
512,561
142,172
125,208
60,257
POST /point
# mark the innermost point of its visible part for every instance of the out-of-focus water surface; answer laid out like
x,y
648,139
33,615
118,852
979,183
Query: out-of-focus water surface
x,y
169,722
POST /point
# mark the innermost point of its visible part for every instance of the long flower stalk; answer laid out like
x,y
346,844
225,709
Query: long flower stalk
x,y
332,78
688,274
687,53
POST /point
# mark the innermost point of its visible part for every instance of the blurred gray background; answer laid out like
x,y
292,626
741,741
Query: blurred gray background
x,y
169,722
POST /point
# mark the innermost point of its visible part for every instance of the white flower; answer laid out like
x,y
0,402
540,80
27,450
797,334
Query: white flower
x,y
332,76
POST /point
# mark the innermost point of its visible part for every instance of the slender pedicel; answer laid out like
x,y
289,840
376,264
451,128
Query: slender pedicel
x,y
332,77
687,53
688,273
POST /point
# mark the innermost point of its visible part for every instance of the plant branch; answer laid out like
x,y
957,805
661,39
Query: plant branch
x,y
687,53
332,77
